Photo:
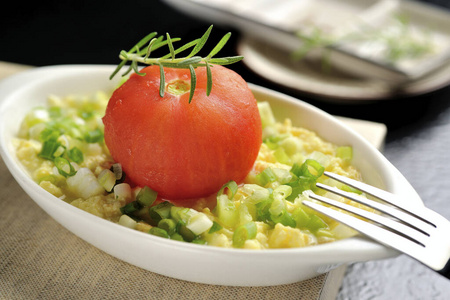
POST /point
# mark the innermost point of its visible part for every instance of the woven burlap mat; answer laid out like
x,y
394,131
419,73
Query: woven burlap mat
x,y
40,259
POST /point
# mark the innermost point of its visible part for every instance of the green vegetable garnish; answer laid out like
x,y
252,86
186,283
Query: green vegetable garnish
x,y
244,232
49,148
216,227
140,53
94,136
266,176
64,167
185,232
76,155
225,209
397,37
345,152
146,196
168,225
160,211
130,208
159,232
305,177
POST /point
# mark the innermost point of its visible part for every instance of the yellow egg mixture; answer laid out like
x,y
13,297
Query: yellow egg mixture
x,y
62,147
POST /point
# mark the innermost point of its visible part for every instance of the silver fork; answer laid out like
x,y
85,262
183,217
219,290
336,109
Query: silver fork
x,y
414,230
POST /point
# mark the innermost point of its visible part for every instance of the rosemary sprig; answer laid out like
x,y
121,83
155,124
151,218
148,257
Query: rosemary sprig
x,y
136,55
396,37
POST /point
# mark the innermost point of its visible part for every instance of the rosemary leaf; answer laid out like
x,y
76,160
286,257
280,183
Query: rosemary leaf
x,y
177,66
156,44
149,48
182,48
208,79
144,41
234,59
124,55
162,81
225,60
130,68
119,67
134,65
193,82
142,54
220,45
201,43
169,43
190,61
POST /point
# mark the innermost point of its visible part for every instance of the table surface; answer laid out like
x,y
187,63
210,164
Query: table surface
x,y
73,32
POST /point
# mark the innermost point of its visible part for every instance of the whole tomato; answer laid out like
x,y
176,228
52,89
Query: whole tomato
x,y
183,150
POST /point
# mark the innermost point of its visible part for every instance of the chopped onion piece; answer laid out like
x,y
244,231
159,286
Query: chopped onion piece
x,y
117,169
84,184
122,191
199,223
127,222
107,179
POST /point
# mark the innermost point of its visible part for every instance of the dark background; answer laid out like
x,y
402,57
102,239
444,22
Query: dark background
x,y
54,32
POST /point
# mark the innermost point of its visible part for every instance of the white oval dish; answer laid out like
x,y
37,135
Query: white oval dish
x,y
191,262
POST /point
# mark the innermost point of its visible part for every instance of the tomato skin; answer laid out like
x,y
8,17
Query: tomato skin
x,y
184,150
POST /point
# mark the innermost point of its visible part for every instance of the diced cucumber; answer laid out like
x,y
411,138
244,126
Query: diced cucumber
x,y
226,211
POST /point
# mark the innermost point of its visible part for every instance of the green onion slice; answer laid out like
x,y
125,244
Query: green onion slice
x,y
130,208
243,233
177,237
158,232
199,241
266,176
107,180
345,152
160,211
146,196
94,136
49,148
312,168
185,232
226,211
230,188
316,223
301,217
64,167
169,225
75,155
215,227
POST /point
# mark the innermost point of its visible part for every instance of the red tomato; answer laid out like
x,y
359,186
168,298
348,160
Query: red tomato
x,y
183,150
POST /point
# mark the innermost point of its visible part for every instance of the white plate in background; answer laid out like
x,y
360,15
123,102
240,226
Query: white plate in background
x,y
366,75
331,85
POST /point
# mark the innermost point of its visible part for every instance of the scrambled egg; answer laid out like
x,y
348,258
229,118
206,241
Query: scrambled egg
x,y
96,157
74,124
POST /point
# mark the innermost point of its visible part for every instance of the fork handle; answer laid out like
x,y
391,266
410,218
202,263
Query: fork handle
x,y
446,270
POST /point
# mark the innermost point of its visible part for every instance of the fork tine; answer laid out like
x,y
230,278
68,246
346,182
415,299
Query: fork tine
x,y
385,196
375,232
412,221
393,225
